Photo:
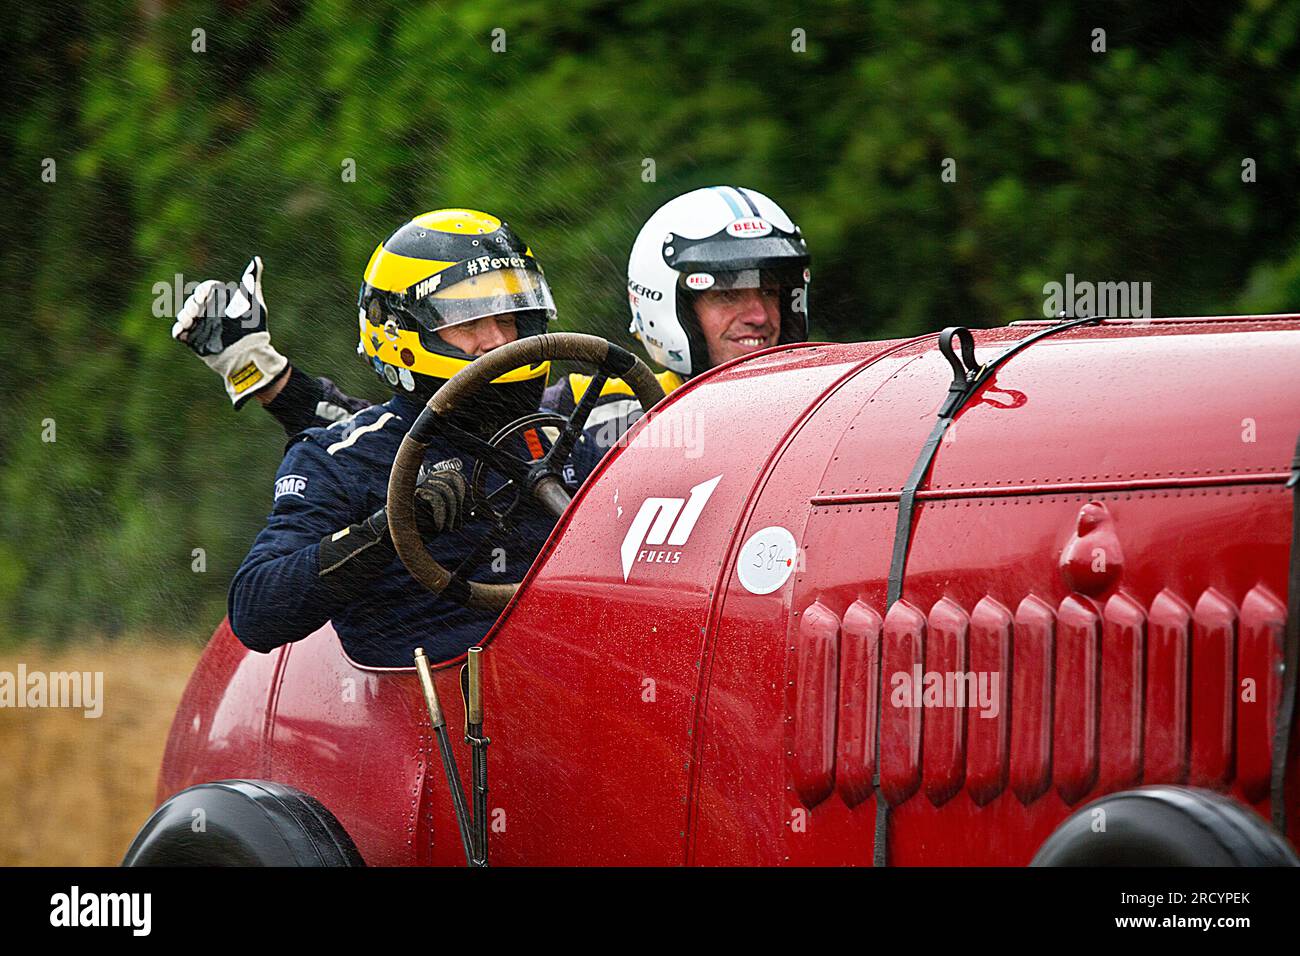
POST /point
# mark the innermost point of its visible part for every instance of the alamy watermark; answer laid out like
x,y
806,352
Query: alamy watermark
x,y
974,689
170,296
1111,300
133,911
673,429
76,690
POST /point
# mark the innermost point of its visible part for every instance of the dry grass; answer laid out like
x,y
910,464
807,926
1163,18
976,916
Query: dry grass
x,y
73,790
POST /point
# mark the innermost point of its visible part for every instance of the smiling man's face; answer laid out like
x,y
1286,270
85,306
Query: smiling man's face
x,y
737,322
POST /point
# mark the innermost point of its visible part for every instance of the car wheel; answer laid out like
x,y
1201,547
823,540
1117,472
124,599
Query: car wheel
x,y
1165,826
242,823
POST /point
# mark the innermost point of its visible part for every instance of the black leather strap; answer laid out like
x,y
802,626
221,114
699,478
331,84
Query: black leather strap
x,y
1290,659
967,377
618,362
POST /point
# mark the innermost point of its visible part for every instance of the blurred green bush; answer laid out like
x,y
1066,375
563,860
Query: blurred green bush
x,y
1122,165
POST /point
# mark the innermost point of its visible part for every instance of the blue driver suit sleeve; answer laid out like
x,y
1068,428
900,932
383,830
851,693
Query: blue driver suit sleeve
x,y
307,402
278,595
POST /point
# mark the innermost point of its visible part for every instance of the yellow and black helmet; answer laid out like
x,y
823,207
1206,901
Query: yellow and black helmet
x,y
441,269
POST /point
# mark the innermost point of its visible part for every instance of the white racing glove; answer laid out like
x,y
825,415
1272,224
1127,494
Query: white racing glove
x,y
236,344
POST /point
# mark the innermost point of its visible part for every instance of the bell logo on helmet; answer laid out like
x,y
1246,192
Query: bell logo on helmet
x,y
699,281
750,228
664,520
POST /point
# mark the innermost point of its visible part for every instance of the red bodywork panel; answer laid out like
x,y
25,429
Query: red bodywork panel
x,y
1104,536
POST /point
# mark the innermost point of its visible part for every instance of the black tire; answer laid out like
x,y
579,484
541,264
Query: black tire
x,y
246,823
1166,826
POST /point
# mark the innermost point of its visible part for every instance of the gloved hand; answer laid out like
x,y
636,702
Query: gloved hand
x,y
440,502
236,345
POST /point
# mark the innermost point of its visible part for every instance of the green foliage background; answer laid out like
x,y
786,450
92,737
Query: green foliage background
x,y
1123,165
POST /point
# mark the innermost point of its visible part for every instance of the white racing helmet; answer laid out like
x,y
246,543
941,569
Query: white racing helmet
x,y
715,237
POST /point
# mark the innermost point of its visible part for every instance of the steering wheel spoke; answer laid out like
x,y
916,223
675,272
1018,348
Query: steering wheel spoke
x,y
502,461
573,428
492,495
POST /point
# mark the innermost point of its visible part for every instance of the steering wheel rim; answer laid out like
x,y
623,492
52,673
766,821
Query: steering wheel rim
x,y
611,360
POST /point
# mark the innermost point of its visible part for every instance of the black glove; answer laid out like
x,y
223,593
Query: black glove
x,y
440,502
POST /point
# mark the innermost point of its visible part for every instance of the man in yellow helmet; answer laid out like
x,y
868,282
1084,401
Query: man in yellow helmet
x,y
443,289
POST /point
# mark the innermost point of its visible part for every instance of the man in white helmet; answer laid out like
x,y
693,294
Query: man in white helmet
x,y
714,274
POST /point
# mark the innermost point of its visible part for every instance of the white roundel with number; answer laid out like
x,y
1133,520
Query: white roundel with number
x,y
767,560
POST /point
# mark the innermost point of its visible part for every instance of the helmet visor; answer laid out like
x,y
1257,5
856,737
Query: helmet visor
x,y
780,278
467,291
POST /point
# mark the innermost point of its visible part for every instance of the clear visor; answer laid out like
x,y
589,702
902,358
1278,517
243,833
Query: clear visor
x,y
500,292
744,279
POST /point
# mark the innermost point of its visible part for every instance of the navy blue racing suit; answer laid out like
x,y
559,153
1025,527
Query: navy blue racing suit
x,y
337,476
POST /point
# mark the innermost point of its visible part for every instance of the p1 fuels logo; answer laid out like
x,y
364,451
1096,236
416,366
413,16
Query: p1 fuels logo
x,y
664,521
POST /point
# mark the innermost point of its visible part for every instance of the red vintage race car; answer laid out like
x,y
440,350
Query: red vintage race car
x,y
981,599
